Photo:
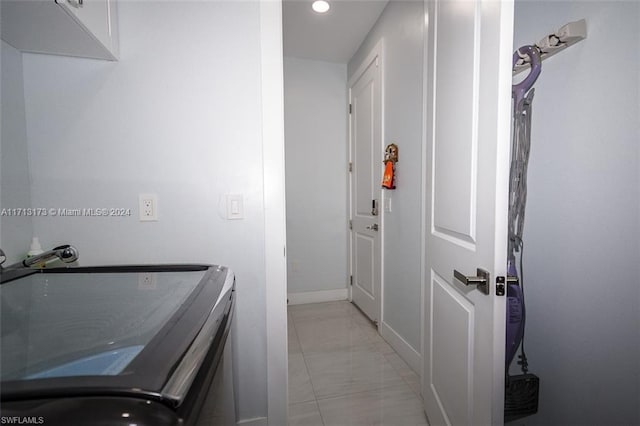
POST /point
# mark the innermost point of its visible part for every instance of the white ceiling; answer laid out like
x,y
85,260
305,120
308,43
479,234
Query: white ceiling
x,y
333,36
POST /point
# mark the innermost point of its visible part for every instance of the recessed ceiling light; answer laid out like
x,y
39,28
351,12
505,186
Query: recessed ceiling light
x,y
320,6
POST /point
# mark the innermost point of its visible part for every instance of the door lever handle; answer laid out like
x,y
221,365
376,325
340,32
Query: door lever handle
x,y
481,280
373,227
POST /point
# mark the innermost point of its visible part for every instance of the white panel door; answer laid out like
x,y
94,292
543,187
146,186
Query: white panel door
x,y
366,158
468,86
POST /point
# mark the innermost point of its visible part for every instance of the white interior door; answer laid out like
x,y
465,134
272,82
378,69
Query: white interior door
x,y
468,84
366,159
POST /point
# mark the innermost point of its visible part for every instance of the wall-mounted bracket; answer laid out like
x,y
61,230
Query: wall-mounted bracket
x,y
551,44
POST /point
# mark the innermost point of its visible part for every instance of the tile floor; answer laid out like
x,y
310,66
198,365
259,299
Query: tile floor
x,y
341,372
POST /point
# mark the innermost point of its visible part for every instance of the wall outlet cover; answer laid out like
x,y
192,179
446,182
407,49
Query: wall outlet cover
x,y
148,207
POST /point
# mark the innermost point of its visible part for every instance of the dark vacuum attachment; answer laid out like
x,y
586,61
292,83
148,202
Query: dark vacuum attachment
x,y
521,396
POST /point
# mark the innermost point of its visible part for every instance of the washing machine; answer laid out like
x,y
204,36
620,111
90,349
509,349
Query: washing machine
x,y
144,345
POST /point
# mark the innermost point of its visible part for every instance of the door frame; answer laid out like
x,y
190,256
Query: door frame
x,y
376,51
272,107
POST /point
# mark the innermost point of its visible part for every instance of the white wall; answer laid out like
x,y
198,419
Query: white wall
x,y
16,231
582,229
180,116
316,174
401,26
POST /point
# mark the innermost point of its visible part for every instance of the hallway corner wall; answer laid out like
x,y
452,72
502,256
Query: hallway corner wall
x,y
316,147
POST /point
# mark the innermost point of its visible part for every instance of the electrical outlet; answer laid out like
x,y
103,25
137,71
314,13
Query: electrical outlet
x,y
147,281
148,207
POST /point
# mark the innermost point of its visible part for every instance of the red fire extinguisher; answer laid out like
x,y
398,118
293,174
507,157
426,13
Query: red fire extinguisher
x,y
387,178
390,160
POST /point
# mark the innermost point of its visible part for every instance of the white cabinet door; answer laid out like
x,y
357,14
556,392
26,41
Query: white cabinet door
x,y
94,16
60,27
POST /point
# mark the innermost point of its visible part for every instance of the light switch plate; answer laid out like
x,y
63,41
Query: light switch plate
x,y
235,207
387,204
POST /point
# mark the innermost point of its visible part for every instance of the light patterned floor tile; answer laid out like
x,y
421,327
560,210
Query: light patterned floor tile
x,y
383,347
294,346
320,311
305,414
414,384
349,371
393,406
346,373
329,335
300,389
362,319
292,340
398,363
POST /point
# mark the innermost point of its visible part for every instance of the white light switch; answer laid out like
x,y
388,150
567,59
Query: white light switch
x,y
235,209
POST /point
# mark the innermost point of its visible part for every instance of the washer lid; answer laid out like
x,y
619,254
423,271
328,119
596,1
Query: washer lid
x,y
102,330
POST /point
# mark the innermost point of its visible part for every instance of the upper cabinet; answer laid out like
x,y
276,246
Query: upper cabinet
x,y
84,28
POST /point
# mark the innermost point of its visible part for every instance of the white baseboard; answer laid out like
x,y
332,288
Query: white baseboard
x,y
318,296
258,421
404,349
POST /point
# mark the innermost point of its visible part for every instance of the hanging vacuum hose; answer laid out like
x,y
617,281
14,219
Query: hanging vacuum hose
x,y
523,93
521,393
521,142
521,146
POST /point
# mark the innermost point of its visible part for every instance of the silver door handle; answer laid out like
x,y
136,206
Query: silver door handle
x,y
481,280
373,227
